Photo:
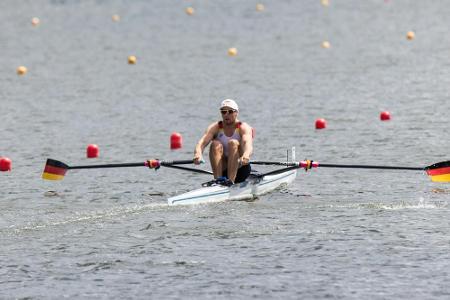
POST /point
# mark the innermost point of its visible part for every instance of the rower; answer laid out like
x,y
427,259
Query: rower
x,y
231,146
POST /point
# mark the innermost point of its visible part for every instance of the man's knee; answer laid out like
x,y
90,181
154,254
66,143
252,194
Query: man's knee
x,y
216,147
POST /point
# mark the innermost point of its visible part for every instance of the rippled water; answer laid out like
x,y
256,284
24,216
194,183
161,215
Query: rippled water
x,y
333,233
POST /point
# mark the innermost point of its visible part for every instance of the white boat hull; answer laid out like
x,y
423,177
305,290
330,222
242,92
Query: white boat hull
x,y
247,190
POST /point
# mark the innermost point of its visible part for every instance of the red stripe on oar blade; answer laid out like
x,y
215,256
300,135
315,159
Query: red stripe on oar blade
x,y
55,170
438,171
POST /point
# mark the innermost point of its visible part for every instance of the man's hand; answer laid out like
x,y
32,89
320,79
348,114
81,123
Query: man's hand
x,y
245,160
198,159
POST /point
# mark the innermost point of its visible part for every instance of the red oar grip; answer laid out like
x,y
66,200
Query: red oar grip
x,y
308,164
153,163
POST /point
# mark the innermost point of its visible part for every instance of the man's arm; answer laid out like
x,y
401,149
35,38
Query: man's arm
x,y
247,143
204,141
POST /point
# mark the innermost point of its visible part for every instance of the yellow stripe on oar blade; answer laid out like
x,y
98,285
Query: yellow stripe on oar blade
x,y
54,170
441,178
49,176
439,172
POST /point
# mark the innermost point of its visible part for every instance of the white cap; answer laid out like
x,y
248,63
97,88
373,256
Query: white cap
x,y
229,103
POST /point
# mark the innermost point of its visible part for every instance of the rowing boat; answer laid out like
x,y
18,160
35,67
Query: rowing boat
x,y
251,188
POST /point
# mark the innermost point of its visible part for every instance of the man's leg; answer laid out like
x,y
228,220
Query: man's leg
x,y
216,158
233,157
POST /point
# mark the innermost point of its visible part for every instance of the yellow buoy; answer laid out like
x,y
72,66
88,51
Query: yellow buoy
x,y
259,7
232,52
22,70
189,10
326,44
115,18
325,2
35,21
410,35
132,59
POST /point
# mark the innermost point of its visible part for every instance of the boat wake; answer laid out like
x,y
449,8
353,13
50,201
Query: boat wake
x,y
87,217
421,204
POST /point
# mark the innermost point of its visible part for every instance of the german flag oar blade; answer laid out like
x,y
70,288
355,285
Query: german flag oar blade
x,y
54,170
439,172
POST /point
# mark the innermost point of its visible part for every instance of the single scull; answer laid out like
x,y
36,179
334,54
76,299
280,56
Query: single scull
x,y
251,188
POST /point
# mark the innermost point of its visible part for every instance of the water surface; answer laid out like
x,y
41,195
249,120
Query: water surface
x,y
333,233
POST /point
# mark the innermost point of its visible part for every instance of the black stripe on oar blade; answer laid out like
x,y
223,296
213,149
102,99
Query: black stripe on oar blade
x,y
439,172
54,170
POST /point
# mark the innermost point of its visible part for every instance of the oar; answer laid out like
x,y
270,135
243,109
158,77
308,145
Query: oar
x,y
189,169
278,171
55,170
438,172
316,164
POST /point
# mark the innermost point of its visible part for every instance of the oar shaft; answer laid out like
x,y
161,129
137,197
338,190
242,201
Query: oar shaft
x,y
271,163
141,164
369,167
176,162
278,171
276,163
165,163
189,169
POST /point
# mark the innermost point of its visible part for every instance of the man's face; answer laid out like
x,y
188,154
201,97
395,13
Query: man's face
x,y
228,115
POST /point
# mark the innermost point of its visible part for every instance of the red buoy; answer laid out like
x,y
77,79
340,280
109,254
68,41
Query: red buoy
x,y
385,116
321,124
176,141
92,151
5,164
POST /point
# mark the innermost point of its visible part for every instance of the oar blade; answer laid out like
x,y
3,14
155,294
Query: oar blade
x,y
54,170
439,172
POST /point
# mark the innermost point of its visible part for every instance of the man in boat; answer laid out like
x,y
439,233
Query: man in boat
x,y
231,147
